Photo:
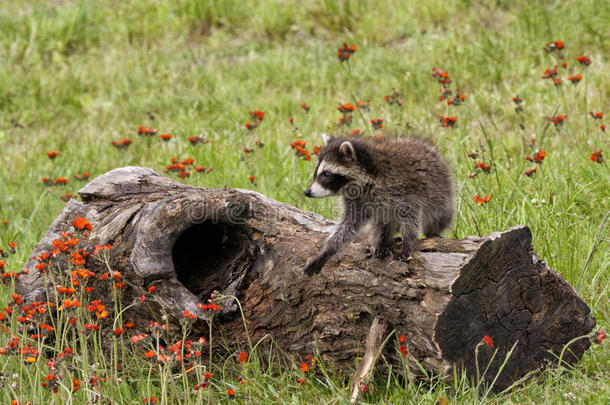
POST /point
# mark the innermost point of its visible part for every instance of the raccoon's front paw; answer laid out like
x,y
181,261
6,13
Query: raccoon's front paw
x,y
382,251
313,267
403,257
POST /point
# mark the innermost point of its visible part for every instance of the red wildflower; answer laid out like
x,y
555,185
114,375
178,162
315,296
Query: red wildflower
x,y
557,82
564,64
481,165
539,156
75,384
188,314
123,143
52,155
138,338
557,120
602,127
550,73
481,200
301,381
377,123
71,303
596,156
345,120
584,60
81,223
488,341
601,335
61,180
84,177
251,178
207,375
305,107
243,356
142,130
402,339
346,52
250,126
441,76
194,140
257,115
118,331
530,172
403,350
304,367
363,105
91,326
345,108
231,392
165,137
575,79
448,121
596,115
554,46
291,120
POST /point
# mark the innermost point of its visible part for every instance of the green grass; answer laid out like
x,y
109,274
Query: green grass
x,y
76,75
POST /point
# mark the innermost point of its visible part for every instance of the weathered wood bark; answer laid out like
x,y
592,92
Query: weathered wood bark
x,y
189,241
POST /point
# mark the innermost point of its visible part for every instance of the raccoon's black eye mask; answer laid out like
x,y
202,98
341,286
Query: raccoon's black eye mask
x,y
332,181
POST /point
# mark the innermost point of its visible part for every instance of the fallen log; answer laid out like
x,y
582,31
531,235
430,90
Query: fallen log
x,y
189,242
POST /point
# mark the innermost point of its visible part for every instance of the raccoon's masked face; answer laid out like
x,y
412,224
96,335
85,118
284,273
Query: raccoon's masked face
x,y
326,181
333,170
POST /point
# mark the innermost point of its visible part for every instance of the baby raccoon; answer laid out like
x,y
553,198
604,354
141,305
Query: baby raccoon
x,y
393,183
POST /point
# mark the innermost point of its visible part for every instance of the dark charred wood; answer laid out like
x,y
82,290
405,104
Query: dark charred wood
x,y
189,242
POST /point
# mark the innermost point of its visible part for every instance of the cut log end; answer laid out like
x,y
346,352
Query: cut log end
x,y
190,242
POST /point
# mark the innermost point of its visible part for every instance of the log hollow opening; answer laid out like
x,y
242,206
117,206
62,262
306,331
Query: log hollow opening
x,y
208,255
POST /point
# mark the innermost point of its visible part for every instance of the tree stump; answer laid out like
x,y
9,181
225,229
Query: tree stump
x,y
189,242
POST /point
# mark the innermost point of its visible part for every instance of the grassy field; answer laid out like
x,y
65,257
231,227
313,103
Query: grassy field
x,y
77,75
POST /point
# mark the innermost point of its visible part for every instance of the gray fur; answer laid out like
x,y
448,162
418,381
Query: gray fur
x,y
397,184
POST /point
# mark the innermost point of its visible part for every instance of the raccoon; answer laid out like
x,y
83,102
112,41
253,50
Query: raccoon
x,y
395,184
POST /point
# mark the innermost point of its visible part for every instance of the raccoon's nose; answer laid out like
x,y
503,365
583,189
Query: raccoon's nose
x,y
308,192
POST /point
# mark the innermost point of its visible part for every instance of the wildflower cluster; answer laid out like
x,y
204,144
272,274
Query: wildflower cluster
x,y
402,348
257,117
183,167
195,140
480,165
122,144
597,156
345,52
394,98
453,98
482,200
552,73
146,131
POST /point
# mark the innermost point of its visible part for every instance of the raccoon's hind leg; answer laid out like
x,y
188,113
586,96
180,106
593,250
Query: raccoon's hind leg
x,y
409,227
383,237
434,225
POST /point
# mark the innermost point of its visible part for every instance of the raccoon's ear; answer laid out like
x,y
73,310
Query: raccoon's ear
x,y
347,150
327,138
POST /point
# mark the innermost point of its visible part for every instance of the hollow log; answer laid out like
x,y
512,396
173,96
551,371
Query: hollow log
x,y
189,242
